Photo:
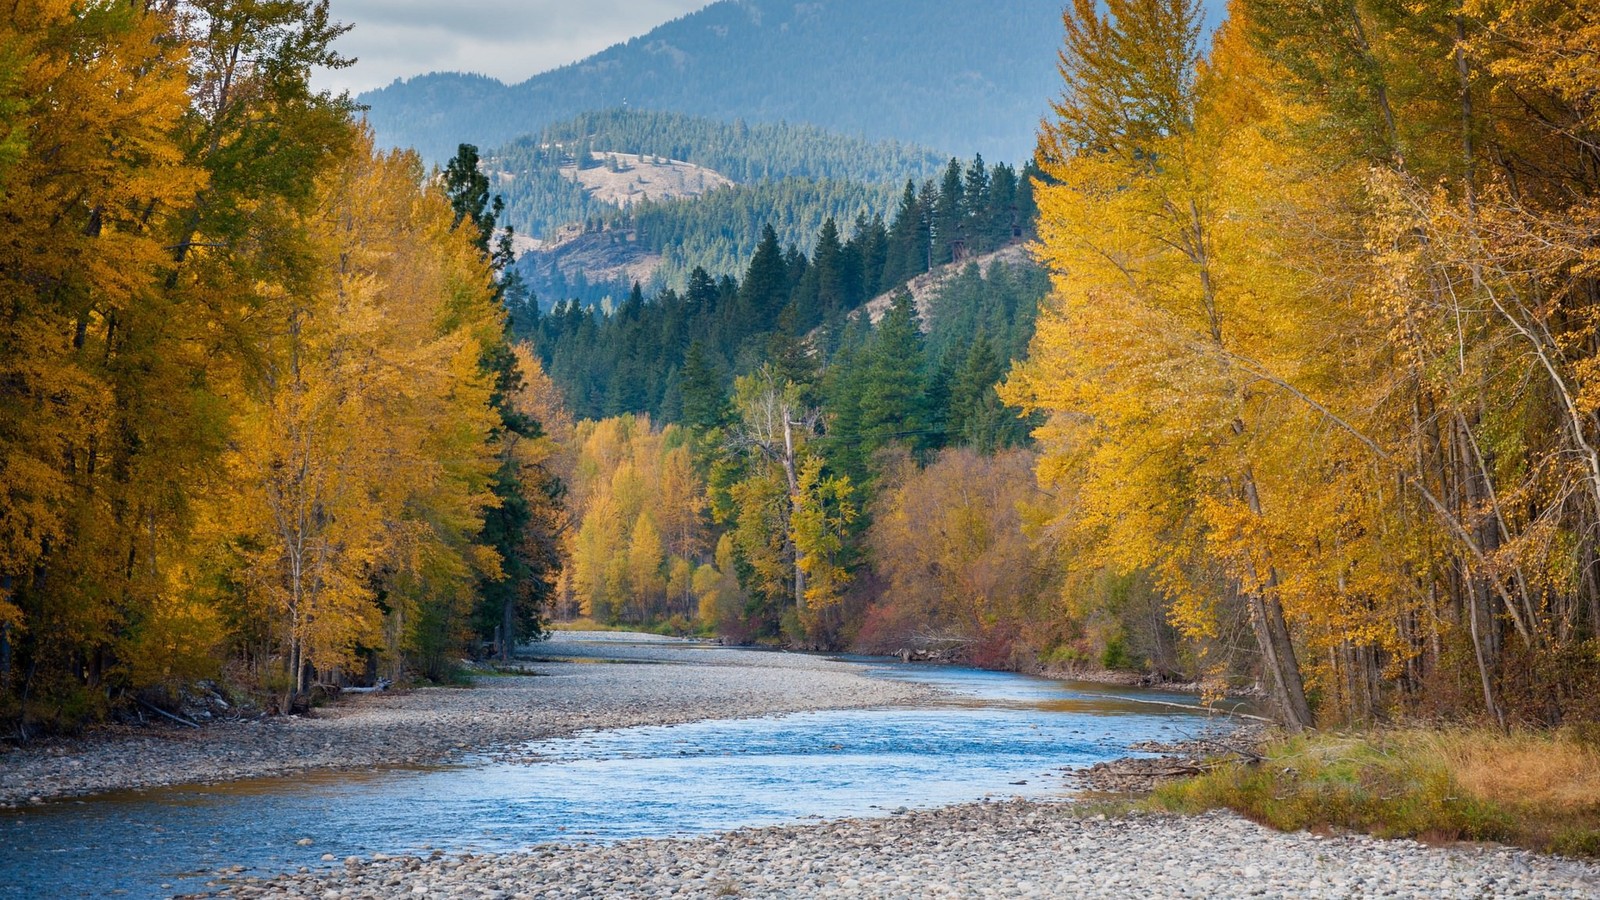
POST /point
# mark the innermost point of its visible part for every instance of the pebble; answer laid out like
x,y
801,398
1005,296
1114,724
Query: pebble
x,y
1000,849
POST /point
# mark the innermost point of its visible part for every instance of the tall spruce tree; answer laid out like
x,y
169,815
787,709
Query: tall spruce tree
x,y
893,394
765,289
978,418
949,220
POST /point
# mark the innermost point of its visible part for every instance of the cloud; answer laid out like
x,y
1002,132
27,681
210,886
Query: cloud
x,y
511,41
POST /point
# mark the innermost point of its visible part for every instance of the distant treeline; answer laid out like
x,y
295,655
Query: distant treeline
x,y
717,232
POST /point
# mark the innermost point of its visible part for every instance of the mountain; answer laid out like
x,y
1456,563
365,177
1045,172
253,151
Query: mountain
x,y
593,165
939,73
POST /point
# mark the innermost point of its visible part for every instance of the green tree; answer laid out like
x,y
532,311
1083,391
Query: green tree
x,y
765,289
895,385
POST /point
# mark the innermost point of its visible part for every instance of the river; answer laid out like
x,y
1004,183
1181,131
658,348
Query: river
x,y
993,735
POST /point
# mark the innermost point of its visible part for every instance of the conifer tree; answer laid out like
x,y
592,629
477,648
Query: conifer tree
x,y
894,389
949,214
907,253
829,265
705,399
765,289
525,552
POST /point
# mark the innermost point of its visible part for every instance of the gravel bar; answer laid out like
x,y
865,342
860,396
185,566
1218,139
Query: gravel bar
x,y
585,680
1012,849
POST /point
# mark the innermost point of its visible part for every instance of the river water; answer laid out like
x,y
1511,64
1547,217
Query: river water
x,y
997,735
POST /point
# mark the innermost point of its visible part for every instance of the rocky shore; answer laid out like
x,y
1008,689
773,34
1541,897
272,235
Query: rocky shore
x,y
1004,850
575,682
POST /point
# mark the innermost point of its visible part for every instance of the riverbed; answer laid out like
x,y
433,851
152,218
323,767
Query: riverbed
x,y
916,737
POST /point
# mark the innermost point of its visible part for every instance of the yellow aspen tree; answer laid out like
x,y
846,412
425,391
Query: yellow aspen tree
x,y
597,544
646,585
365,460
90,97
1131,355
822,516
682,504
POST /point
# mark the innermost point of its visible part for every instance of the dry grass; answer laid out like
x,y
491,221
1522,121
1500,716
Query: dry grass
x,y
1537,790
1551,771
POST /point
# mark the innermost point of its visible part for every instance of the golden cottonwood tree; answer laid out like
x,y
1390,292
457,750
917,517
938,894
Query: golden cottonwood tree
x,y
363,461
90,98
1131,355
1319,337
241,397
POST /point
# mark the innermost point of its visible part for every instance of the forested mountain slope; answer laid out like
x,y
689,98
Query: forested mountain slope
x,y
934,72
793,296
539,174
660,242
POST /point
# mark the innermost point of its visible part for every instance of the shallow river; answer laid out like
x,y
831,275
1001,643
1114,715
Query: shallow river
x,y
998,735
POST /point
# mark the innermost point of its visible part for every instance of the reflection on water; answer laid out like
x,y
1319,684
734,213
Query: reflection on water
x,y
997,735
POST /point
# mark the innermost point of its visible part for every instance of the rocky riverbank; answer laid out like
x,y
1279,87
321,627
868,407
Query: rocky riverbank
x,y
575,682
1009,849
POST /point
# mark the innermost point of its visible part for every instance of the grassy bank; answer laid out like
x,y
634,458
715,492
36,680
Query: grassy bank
x,y
1540,791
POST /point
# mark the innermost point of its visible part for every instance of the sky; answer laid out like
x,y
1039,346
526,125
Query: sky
x,y
508,39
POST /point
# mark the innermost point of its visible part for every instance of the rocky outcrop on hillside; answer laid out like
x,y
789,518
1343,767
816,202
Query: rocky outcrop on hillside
x,y
601,257
926,286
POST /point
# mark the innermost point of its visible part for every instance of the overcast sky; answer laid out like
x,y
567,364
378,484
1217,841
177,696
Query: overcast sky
x,y
509,39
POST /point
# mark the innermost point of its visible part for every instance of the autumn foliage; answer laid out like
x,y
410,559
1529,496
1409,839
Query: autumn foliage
x,y
1320,353
250,414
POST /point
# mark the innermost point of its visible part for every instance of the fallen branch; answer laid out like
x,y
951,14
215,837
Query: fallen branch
x,y
159,711
1232,713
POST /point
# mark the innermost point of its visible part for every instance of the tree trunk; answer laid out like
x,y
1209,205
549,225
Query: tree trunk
x,y
508,628
1272,633
794,503
5,639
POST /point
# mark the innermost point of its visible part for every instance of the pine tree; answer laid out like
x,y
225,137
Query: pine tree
x,y
978,418
525,552
828,263
949,218
765,289
975,200
705,397
907,254
893,392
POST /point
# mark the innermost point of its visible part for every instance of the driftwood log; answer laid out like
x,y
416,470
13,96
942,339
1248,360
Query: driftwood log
x,y
161,712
